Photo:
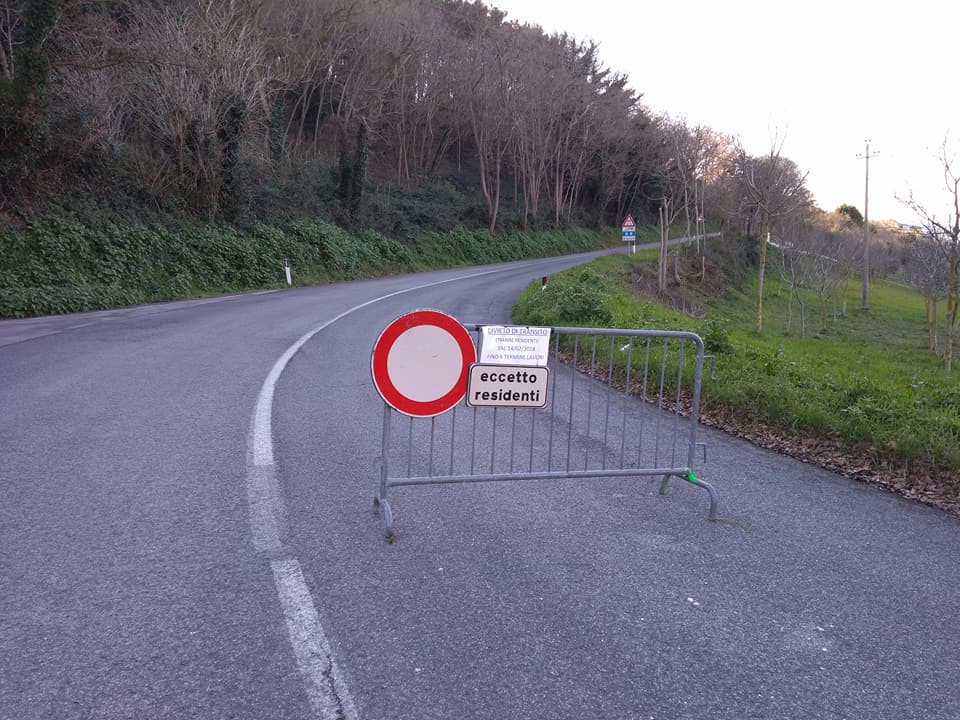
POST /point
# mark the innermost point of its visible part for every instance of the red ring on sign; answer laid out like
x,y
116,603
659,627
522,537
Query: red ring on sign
x,y
381,353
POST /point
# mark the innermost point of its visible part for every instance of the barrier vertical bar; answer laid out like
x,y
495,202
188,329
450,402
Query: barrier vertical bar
x,y
573,377
409,445
643,398
533,435
513,435
606,419
624,401
453,437
695,406
660,404
593,376
493,440
553,397
385,450
433,435
676,415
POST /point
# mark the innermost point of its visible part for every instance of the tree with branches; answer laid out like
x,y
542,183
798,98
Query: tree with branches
x,y
927,273
944,234
774,187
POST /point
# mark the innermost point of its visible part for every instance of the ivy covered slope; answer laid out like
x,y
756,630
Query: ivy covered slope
x,y
864,396
59,265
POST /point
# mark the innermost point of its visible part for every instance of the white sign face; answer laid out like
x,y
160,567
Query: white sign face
x,y
507,386
515,345
424,363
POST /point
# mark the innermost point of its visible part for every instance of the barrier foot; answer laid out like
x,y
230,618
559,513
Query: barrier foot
x,y
694,480
382,505
665,485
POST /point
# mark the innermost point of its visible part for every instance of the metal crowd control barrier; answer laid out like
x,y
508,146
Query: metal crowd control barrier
x,y
621,403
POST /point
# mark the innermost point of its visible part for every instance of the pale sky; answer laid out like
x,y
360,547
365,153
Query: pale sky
x,y
823,76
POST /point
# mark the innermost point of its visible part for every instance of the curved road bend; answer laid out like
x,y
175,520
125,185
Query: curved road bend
x,y
152,568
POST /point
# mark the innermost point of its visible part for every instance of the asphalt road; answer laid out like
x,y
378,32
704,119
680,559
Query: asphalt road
x,y
187,533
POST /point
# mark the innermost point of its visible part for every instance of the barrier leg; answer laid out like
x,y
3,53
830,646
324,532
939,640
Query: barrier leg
x,y
694,480
665,485
380,502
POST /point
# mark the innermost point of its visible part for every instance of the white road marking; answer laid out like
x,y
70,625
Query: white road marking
x,y
266,509
328,694
326,690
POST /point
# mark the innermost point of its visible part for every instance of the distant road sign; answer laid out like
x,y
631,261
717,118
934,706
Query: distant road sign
x,y
628,230
420,363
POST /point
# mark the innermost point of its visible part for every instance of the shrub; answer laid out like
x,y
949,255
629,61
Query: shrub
x,y
580,298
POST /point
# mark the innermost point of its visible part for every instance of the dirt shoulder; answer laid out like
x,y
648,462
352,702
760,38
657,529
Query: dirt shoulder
x,y
930,485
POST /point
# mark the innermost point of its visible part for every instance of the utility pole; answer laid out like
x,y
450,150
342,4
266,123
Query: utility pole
x,y
865,289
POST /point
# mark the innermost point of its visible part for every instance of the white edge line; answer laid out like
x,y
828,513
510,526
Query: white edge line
x,y
325,687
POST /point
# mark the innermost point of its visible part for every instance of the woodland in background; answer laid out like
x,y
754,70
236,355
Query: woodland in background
x,y
402,117
353,110
397,115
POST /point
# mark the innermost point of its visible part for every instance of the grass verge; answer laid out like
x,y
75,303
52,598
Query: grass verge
x,y
864,396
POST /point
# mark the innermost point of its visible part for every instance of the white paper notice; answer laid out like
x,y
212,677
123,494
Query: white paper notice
x,y
515,345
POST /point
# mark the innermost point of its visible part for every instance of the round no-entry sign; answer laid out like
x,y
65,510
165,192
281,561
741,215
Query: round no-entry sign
x,y
421,361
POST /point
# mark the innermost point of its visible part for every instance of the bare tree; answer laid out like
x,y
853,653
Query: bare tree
x,y
945,234
11,18
305,41
419,118
673,189
485,86
795,270
199,74
701,156
927,273
826,270
541,80
775,187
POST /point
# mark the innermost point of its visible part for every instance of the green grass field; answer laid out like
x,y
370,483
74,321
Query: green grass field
x,y
867,386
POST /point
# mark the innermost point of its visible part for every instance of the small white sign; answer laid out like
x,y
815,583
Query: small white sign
x,y
515,345
507,386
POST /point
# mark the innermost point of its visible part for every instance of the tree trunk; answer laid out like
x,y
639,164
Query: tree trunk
x,y
790,310
803,316
952,293
344,167
763,261
662,257
931,303
495,207
358,171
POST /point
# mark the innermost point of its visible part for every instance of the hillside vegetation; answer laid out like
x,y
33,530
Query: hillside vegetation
x,y
60,265
404,116
864,397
